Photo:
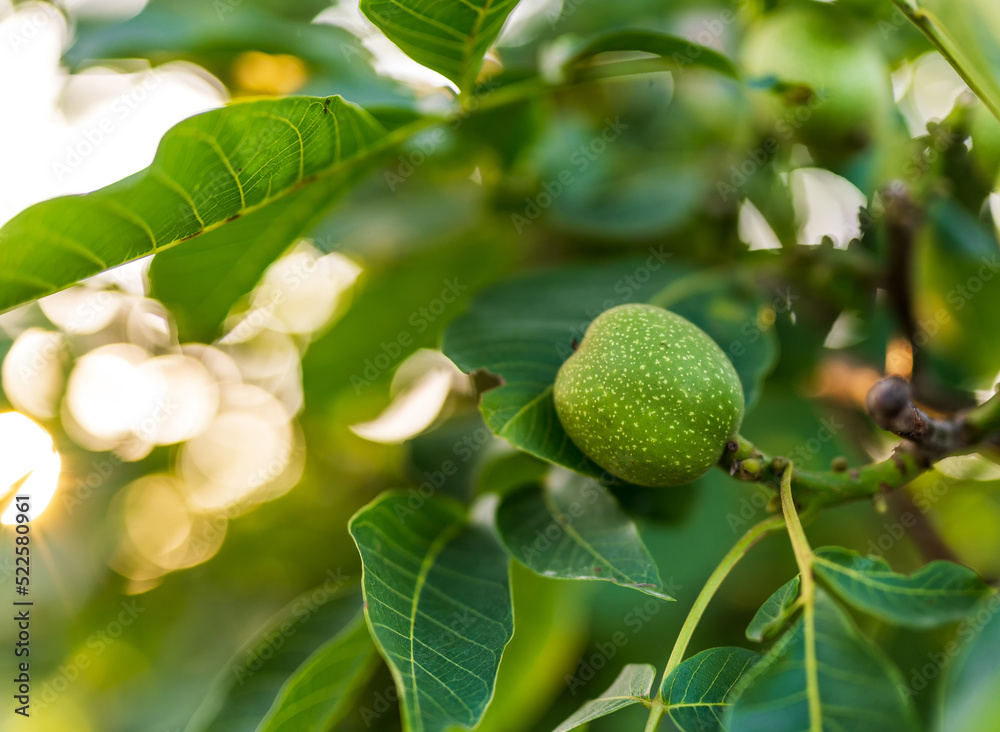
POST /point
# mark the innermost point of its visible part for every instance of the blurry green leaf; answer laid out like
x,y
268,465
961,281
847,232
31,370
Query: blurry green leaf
x,y
956,297
245,689
938,594
645,202
215,34
509,469
698,692
774,613
859,689
966,33
969,700
681,51
633,686
208,170
437,595
571,527
522,331
551,636
201,284
448,36
321,690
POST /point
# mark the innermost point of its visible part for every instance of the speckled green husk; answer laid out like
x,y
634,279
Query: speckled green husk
x,y
649,396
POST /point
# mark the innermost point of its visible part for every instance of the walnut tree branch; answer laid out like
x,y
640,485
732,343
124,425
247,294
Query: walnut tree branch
x,y
925,439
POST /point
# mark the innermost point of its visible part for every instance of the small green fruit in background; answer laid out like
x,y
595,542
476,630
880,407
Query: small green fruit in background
x,y
649,396
985,131
811,44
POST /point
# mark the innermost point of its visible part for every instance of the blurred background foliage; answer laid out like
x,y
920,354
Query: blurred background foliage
x,y
206,483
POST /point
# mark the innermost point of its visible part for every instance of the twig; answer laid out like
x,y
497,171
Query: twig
x,y
925,439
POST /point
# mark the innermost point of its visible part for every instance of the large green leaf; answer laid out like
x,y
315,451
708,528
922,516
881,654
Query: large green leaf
x,y
966,32
571,527
200,284
774,613
438,600
523,329
261,671
969,692
321,690
633,686
208,170
858,688
698,692
448,36
938,594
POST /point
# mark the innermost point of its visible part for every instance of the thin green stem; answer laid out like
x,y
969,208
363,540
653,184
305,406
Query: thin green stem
x,y
530,88
925,22
825,487
739,550
656,713
804,559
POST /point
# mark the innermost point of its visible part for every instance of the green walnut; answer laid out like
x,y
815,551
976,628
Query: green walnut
x,y
649,396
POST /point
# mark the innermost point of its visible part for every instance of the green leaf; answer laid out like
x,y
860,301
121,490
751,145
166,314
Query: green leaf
x,y
448,36
321,691
969,691
774,613
858,688
633,686
244,691
681,51
552,635
208,170
571,527
215,34
966,33
438,601
938,594
523,329
698,692
505,470
200,284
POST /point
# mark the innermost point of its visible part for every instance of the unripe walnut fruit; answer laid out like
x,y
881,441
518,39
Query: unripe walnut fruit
x,y
649,396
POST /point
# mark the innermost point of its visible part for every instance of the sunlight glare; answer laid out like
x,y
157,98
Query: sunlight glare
x,y
25,447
